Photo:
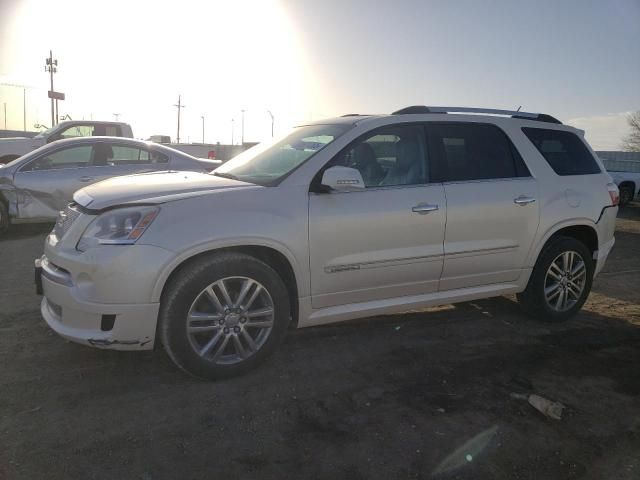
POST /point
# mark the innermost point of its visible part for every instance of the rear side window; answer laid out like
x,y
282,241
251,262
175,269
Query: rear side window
x,y
564,151
474,151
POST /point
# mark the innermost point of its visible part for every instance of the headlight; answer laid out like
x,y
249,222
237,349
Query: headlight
x,y
122,226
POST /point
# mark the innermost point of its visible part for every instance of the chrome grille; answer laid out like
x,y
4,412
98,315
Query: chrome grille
x,y
65,220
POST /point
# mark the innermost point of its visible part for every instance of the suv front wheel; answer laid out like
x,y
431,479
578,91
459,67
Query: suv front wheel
x,y
223,315
560,282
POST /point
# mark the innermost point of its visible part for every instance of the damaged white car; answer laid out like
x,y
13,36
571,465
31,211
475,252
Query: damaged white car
x,y
35,187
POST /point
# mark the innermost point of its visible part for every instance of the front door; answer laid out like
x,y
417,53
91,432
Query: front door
x,y
45,185
386,240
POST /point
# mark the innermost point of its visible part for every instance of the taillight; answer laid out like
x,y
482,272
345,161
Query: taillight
x,y
614,193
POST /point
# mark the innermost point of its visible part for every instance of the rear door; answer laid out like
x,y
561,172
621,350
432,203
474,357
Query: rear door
x,y
492,204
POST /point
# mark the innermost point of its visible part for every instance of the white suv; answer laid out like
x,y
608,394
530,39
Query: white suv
x,y
345,218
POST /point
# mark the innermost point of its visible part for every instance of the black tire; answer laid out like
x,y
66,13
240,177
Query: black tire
x,y
186,287
533,300
4,217
626,195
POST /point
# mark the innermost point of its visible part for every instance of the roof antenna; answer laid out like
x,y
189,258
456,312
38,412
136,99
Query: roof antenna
x,y
519,108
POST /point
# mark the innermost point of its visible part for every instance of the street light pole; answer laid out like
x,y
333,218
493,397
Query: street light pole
x,y
202,117
232,130
5,115
272,121
242,137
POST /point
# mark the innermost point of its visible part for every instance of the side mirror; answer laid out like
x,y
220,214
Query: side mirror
x,y
343,179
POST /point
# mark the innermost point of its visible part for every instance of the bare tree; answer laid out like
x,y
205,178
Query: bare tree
x,y
631,142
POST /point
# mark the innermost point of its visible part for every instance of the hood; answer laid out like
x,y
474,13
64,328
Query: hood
x,y
156,187
208,164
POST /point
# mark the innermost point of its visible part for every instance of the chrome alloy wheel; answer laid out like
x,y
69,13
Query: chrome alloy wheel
x,y
565,281
230,320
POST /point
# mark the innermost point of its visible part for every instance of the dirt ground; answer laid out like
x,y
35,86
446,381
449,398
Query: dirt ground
x,y
420,395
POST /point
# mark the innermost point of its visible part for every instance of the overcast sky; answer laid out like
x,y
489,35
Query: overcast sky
x,y
577,60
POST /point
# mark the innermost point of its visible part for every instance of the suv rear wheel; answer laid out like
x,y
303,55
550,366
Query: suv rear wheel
x,y
223,315
560,282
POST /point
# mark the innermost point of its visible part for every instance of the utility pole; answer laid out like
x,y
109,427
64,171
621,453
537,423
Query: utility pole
x,y
232,130
5,115
272,121
202,117
242,136
179,106
51,66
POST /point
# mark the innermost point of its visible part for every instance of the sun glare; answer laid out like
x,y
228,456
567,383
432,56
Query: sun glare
x,y
135,57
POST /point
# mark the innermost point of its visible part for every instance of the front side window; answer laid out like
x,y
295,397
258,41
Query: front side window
x,y
73,157
565,153
391,156
470,151
267,163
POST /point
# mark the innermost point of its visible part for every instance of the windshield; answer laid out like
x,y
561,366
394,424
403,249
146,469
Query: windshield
x,y
47,132
267,163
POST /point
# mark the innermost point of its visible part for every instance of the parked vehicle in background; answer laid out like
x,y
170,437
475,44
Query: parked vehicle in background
x,y
36,186
12,148
340,219
213,151
629,185
624,168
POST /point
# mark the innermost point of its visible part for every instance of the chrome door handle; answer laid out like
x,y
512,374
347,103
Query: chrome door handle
x,y
523,200
86,179
424,208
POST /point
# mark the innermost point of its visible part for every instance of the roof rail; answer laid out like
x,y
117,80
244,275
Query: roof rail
x,y
541,117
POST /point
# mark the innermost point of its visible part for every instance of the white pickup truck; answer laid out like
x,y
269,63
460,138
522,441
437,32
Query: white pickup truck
x,y
628,184
12,148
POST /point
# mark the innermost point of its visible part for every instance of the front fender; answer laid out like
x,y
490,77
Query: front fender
x,y
212,246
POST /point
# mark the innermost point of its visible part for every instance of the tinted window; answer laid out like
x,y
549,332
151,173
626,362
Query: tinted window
x,y
469,151
77,131
564,151
67,158
105,154
393,155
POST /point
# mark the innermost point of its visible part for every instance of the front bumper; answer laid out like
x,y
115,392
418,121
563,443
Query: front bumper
x,y
132,326
103,297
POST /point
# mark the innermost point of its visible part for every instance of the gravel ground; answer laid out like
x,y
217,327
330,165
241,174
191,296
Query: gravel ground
x,y
421,395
